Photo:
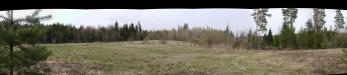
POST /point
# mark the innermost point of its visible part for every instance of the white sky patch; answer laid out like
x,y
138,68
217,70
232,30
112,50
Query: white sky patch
x,y
67,16
20,13
154,19
106,17
58,15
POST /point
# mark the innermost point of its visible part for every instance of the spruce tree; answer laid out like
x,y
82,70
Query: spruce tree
x,y
132,31
226,30
116,26
285,41
265,39
269,38
125,32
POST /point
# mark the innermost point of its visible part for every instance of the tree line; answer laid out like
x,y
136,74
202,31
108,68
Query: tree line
x,y
67,33
313,35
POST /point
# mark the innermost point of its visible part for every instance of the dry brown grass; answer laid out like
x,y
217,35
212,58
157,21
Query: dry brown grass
x,y
324,61
174,59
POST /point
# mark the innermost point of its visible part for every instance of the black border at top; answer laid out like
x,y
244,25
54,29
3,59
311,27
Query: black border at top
x,y
168,4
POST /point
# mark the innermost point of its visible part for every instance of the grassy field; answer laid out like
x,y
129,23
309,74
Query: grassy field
x,y
126,58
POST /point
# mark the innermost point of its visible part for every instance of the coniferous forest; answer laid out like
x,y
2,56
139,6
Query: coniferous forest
x,y
312,36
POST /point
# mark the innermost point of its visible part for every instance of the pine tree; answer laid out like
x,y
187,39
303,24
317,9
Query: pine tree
x,y
310,34
137,32
339,22
259,17
140,27
13,35
318,18
289,16
141,36
318,23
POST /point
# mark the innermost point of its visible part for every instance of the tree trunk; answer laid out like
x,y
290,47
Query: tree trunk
x,y
11,58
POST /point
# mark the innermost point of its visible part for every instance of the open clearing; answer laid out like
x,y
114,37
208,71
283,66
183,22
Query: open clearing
x,y
125,58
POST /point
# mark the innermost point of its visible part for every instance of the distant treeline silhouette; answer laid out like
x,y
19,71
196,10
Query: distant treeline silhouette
x,y
313,36
306,38
62,33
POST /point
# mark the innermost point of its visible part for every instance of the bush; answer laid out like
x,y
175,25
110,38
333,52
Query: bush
x,y
163,41
210,37
146,40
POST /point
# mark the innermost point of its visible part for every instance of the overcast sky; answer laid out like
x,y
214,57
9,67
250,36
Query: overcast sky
x,y
237,19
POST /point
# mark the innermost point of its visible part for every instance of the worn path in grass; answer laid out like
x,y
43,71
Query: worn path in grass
x,y
125,58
